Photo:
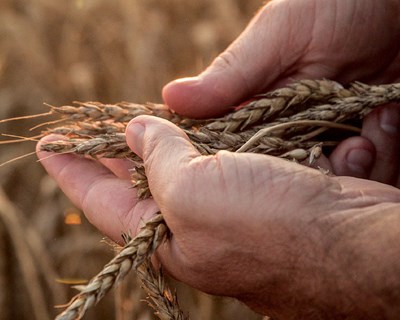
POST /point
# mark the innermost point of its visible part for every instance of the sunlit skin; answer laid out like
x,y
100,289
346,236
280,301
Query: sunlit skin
x,y
287,240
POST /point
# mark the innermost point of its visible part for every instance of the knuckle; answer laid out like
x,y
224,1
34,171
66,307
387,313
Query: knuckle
x,y
226,60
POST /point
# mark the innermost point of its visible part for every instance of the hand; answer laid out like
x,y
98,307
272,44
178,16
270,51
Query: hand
x,y
375,154
343,40
287,240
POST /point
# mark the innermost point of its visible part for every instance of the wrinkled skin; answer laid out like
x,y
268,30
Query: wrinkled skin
x,y
341,40
287,240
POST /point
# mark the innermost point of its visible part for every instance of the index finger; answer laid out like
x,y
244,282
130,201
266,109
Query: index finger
x,y
109,203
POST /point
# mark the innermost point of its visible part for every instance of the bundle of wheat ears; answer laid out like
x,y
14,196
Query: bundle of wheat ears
x,y
296,122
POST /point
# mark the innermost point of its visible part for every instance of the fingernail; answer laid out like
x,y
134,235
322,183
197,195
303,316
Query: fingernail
x,y
390,120
360,161
135,134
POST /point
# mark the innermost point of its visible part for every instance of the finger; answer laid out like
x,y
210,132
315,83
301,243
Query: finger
x,y
265,51
120,167
197,193
353,157
165,150
108,202
381,127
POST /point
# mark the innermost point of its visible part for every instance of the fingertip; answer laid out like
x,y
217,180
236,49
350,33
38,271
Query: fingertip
x,y
198,97
146,133
353,157
381,127
134,136
53,162
183,95
165,151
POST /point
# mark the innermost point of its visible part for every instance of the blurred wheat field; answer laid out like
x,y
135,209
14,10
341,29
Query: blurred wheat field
x,y
60,51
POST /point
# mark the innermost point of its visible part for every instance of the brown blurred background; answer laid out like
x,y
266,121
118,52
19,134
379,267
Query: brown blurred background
x,y
109,51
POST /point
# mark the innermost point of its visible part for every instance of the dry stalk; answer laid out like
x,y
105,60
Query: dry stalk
x,y
33,261
12,219
287,122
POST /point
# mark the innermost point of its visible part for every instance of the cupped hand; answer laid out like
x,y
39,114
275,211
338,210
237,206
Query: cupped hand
x,y
343,40
287,240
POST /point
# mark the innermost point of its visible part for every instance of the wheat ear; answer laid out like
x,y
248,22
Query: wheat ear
x,y
133,254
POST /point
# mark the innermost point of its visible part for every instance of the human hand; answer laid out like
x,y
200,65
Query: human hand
x,y
343,40
285,239
374,155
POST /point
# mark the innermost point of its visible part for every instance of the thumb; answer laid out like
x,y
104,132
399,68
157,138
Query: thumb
x,y
166,152
266,50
